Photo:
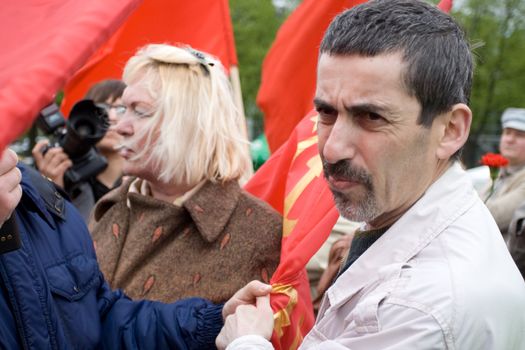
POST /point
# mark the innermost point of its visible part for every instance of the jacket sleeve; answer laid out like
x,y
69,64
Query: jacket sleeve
x,y
186,324
401,328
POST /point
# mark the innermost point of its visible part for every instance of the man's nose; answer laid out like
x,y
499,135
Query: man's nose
x,y
340,144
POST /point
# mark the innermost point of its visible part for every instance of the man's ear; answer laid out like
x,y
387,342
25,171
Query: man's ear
x,y
454,131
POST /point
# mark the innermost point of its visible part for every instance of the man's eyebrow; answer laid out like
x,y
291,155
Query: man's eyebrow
x,y
323,105
367,107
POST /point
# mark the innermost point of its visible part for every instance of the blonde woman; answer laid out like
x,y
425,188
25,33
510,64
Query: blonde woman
x,y
181,226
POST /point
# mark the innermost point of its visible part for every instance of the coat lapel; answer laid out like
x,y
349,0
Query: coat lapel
x,y
212,206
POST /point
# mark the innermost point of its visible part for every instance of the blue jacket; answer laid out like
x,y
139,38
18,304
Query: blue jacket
x,y
53,295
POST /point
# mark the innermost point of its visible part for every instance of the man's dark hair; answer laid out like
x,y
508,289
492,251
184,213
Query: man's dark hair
x,y
437,55
109,89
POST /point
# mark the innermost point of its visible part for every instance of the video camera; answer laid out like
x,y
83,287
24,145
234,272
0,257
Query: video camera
x,y
86,126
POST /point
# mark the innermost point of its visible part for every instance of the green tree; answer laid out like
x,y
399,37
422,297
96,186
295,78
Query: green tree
x,y
255,24
497,32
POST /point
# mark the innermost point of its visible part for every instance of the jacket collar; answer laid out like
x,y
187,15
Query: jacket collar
x,y
212,206
422,223
111,198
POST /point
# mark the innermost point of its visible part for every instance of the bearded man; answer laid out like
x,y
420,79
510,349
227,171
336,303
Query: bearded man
x,y
429,269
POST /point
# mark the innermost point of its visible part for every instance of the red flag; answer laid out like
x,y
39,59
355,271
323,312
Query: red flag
x,y
304,199
445,5
43,44
203,24
289,69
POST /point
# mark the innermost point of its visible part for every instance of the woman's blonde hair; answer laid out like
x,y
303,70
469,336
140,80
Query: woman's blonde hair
x,y
196,131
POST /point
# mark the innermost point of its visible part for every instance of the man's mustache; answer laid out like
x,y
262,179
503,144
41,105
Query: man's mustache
x,y
345,171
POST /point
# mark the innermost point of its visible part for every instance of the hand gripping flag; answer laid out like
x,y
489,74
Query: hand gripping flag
x,y
292,182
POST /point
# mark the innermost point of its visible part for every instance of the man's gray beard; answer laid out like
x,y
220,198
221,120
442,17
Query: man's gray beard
x,y
364,211
356,209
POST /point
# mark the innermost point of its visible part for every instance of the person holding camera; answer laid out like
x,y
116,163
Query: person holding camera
x,y
54,162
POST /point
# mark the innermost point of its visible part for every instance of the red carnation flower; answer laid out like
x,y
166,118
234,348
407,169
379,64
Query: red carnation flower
x,y
494,162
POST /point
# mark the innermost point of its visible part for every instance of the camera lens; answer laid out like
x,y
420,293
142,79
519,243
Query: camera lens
x,y
85,129
86,126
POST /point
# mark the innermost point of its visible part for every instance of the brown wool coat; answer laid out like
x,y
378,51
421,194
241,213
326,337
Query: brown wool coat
x,y
219,240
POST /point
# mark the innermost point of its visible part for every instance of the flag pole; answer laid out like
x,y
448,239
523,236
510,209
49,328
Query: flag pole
x,y
237,97
236,85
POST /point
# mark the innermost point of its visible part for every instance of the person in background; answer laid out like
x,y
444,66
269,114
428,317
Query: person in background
x,y
429,268
509,188
55,162
181,225
52,293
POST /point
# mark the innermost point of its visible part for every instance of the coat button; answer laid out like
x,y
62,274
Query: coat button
x,y
115,229
148,284
198,209
75,288
186,232
156,234
196,279
225,240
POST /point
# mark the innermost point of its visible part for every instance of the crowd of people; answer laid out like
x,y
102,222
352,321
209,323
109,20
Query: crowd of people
x,y
164,249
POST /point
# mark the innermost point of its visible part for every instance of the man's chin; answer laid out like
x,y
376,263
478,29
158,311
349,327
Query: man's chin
x,y
346,209
348,214
353,212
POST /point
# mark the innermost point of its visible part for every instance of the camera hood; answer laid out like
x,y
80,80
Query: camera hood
x,y
86,126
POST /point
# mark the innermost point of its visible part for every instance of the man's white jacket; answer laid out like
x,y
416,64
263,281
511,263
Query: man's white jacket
x,y
440,278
